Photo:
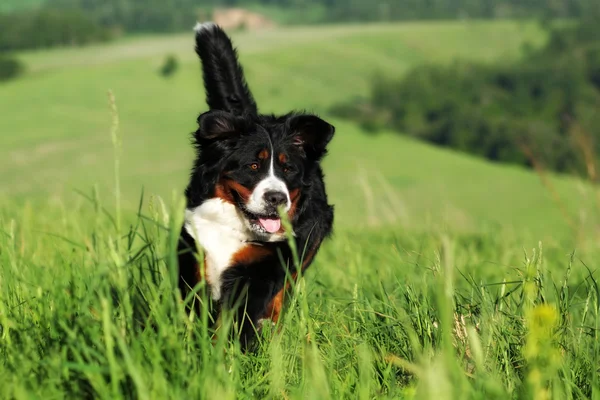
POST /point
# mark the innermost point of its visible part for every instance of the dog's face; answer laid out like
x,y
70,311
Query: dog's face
x,y
259,163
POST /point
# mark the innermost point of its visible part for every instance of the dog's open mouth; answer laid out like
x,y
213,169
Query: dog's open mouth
x,y
267,224
270,225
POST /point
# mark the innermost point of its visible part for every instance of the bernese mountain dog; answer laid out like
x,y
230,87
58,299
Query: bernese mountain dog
x,y
249,168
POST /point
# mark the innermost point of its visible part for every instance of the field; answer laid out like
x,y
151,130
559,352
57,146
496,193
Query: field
x,y
447,277
11,5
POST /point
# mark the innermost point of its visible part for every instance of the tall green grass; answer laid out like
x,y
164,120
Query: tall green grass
x,y
400,303
89,308
88,312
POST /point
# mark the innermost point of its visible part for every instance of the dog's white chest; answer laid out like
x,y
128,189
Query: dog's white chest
x,y
220,231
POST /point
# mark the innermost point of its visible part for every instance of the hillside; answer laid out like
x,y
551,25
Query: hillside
x,y
435,284
17,5
60,114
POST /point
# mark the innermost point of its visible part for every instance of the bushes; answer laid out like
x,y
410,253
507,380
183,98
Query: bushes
x,y
10,68
173,15
47,28
179,15
537,109
169,67
138,15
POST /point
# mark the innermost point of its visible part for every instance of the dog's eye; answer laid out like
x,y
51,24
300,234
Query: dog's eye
x,y
254,166
287,170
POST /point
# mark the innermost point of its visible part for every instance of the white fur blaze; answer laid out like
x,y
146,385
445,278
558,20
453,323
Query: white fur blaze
x,y
270,183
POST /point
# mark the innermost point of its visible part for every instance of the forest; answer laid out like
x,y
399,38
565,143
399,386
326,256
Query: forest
x,y
538,112
48,23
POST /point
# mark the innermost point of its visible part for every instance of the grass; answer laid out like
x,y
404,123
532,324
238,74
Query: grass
x,y
18,5
435,284
59,112
380,314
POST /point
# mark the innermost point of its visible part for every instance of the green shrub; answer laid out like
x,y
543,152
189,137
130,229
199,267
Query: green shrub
x,y
48,28
170,66
10,68
533,111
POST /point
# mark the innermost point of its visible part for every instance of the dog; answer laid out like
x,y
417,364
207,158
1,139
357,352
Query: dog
x,y
249,167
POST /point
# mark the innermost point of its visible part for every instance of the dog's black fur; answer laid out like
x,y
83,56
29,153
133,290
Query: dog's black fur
x,y
228,139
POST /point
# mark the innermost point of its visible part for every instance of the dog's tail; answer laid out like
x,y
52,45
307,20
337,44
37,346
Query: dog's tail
x,y
226,88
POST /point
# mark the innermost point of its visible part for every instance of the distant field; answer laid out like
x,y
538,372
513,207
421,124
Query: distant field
x,y
16,5
60,118
447,277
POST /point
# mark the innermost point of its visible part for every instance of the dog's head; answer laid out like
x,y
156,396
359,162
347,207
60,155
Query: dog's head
x,y
259,163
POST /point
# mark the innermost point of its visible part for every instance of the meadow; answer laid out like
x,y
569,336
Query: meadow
x,y
447,276
11,5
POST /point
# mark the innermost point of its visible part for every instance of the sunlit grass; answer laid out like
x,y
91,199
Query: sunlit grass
x,y
434,285
386,314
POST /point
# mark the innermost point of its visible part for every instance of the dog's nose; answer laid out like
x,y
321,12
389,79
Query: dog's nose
x,y
274,198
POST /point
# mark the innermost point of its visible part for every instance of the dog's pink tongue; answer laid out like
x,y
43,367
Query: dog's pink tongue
x,y
270,225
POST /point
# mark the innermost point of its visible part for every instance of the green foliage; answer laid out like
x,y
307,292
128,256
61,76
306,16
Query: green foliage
x,y
316,13
170,66
88,310
10,68
401,303
48,28
19,5
138,15
177,15
543,108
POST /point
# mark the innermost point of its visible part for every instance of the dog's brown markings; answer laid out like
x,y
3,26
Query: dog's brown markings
x,y
240,189
294,197
225,188
254,253
275,305
263,155
223,192
250,254
282,158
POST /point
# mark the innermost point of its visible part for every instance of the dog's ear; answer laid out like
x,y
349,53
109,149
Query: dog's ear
x,y
218,125
311,133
